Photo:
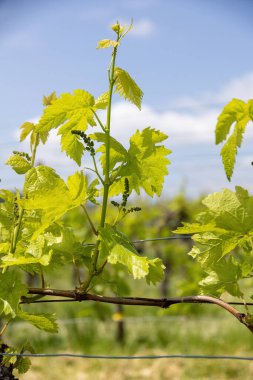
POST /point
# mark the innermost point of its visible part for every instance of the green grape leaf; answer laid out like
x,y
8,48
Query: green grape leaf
x,y
22,364
30,129
229,151
250,102
4,247
222,278
126,87
214,247
43,179
6,213
71,145
117,249
46,191
102,101
9,260
26,129
145,164
93,191
36,251
11,290
238,112
74,110
70,112
77,185
19,164
103,44
230,210
226,226
156,271
194,228
48,100
234,111
45,322
65,247
118,153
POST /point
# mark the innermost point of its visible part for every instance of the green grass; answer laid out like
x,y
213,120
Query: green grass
x,y
151,335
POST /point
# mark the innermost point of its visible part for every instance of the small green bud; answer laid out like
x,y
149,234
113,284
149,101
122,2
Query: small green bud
x,y
117,28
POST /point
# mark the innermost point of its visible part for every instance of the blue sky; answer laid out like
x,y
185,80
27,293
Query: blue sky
x,y
189,57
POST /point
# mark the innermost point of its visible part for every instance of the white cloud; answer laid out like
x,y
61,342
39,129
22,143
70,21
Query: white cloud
x,y
142,28
195,158
241,87
182,127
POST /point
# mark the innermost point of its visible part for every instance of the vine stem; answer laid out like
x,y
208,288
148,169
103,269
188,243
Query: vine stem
x,y
98,120
96,170
89,220
106,182
35,145
16,229
4,327
138,301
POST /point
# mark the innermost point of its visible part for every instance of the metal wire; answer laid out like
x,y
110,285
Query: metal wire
x,y
126,357
177,237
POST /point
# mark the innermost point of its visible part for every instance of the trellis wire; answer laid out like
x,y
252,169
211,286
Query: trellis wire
x,y
133,357
177,237
139,357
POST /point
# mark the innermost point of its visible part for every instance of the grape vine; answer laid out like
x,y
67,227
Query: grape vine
x,y
35,239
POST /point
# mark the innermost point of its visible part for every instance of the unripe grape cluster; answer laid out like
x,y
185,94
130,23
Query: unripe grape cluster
x,y
89,144
125,197
22,154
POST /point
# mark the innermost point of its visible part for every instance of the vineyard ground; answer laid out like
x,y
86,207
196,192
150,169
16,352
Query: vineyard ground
x,y
159,336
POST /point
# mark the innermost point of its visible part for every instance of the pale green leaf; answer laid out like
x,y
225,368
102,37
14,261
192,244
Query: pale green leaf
x,y
103,44
194,228
43,179
126,87
116,248
250,102
19,164
45,322
46,191
11,290
156,271
72,146
26,129
229,151
238,112
77,185
234,111
232,211
4,247
75,109
6,213
22,364
118,153
10,260
71,112
145,164
102,101
223,230
48,100
214,247
222,278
